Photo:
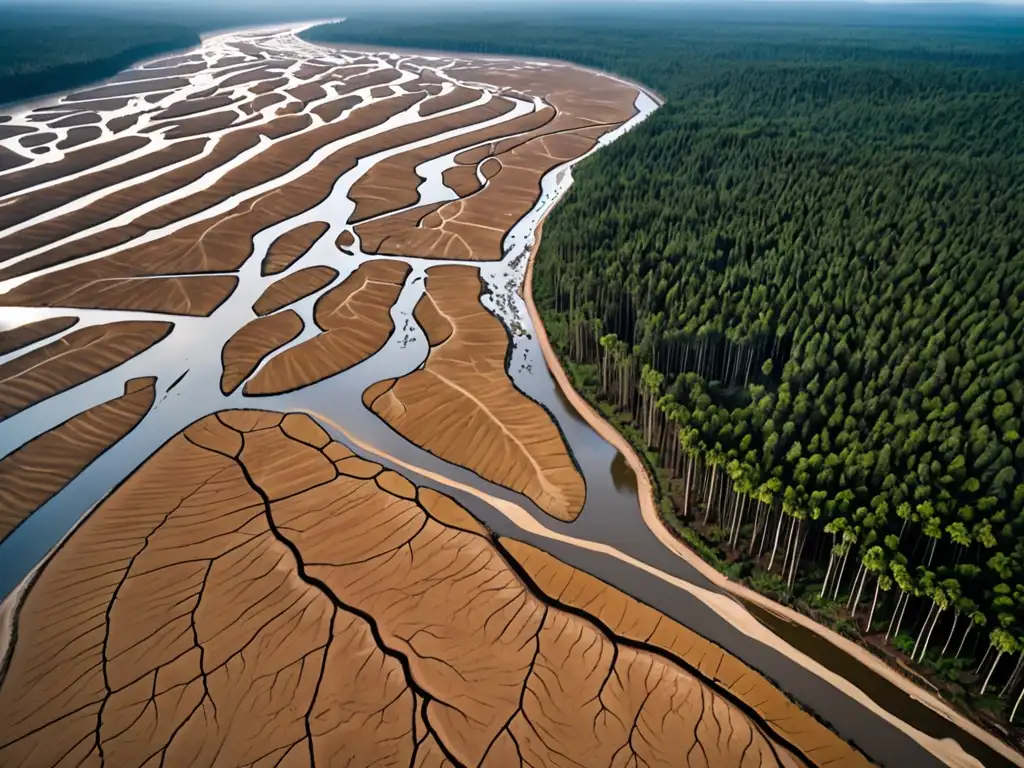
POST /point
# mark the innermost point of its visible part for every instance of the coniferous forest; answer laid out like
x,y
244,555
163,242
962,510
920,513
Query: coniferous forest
x,y
798,287
45,51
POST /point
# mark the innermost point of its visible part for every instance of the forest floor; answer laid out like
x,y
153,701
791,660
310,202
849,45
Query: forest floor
x,y
746,579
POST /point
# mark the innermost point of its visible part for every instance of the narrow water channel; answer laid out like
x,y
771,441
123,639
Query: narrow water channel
x,y
611,515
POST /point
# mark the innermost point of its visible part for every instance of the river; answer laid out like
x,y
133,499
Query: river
x,y
609,539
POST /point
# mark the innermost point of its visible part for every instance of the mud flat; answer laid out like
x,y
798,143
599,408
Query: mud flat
x,y
462,407
254,562
291,246
355,318
23,335
295,286
77,357
249,346
35,472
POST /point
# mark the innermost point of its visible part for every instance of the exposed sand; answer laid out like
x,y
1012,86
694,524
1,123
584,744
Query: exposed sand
x,y
355,318
293,287
77,357
22,336
291,246
244,599
244,351
35,472
462,406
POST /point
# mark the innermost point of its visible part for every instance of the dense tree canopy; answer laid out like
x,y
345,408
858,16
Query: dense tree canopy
x,y
803,277
43,52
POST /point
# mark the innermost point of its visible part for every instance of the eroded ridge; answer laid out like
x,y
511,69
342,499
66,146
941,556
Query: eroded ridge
x,y
355,320
462,406
256,594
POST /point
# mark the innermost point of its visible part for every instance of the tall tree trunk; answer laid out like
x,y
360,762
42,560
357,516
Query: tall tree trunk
x,y
1019,697
924,628
842,570
686,493
988,677
956,618
902,614
711,495
959,650
895,613
928,639
874,602
775,546
858,586
831,562
1013,675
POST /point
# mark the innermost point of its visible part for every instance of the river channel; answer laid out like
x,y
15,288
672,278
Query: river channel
x,y
609,539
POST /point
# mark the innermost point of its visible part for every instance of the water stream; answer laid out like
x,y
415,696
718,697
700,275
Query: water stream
x,y
611,515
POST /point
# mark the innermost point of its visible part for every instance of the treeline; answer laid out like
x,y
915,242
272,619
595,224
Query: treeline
x,y
802,279
44,53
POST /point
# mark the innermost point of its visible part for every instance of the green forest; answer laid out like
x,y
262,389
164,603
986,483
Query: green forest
x,y
42,52
798,288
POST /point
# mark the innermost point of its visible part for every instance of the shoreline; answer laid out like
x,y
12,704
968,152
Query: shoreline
x,y
738,592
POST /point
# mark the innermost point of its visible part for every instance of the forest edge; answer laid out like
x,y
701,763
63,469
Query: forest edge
x,y
660,528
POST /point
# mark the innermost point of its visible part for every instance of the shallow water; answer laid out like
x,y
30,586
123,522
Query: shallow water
x,y
610,516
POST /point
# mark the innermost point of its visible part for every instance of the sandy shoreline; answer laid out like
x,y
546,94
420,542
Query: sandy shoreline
x,y
952,754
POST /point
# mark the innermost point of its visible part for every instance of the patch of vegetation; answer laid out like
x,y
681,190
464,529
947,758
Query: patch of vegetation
x,y
43,53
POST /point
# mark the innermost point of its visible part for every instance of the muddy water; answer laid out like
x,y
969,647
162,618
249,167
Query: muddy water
x,y
188,366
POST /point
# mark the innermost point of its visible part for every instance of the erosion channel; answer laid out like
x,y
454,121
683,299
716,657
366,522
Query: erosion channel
x,y
286,479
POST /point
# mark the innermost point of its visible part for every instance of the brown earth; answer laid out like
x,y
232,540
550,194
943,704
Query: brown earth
x,y
474,228
462,179
225,243
84,118
462,407
293,287
391,184
10,131
639,623
201,125
266,86
77,357
355,318
279,158
586,105
292,246
39,469
132,75
35,203
455,98
331,110
244,351
345,240
128,89
10,160
261,102
37,139
78,136
73,162
195,295
23,335
123,123
228,147
257,595
309,71
193,106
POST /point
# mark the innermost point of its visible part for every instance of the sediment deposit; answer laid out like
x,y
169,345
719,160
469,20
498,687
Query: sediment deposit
x,y
462,406
244,599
